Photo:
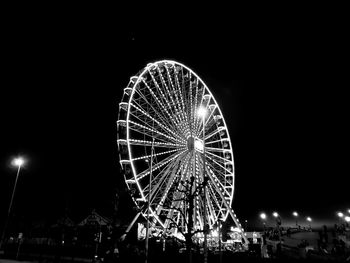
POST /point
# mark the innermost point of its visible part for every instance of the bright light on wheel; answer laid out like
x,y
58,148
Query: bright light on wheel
x,y
198,145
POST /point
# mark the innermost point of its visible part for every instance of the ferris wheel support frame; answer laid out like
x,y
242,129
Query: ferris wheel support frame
x,y
168,93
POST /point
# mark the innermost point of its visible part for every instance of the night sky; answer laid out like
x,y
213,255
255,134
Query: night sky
x,y
281,82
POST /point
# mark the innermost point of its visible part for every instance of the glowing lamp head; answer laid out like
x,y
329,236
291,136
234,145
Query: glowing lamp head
x,y
263,216
309,219
349,211
347,219
275,214
202,112
340,214
295,213
18,161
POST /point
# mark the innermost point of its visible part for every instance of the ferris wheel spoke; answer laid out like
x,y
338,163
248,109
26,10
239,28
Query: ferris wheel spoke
x,y
146,157
215,132
152,132
217,181
163,173
169,119
159,165
176,101
176,93
214,141
214,197
155,112
177,105
211,211
211,174
161,185
184,109
191,111
212,109
220,189
135,142
143,128
216,150
170,103
175,201
163,98
198,122
196,104
182,170
217,157
145,114
221,166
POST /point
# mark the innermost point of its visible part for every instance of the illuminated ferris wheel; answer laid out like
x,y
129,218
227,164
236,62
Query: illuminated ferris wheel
x,y
161,143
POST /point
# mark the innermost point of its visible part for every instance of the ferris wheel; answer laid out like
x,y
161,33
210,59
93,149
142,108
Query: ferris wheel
x,y
164,140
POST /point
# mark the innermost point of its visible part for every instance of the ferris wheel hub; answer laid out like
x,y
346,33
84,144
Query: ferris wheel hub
x,y
194,143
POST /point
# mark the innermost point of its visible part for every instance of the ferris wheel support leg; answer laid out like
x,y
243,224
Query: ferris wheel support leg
x,y
130,226
237,223
229,209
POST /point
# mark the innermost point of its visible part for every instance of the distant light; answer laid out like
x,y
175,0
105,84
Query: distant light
x,y
295,213
309,219
349,211
347,218
263,216
275,214
340,214
202,112
18,161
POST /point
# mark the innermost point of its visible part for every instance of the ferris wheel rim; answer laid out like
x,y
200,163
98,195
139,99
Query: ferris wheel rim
x,y
139,79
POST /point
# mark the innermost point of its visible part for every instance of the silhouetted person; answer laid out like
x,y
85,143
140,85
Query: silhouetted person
x,y
325,234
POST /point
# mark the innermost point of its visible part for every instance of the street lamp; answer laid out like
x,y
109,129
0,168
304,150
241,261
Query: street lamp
x,y
278,223
18,162
309,219
263,217
202,112
347,219
341,216
295,214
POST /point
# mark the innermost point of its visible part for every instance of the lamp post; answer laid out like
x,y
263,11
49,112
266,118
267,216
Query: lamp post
x,y
295,214
309,219
148,202
340,217
202,112
15,162
278,223
263,217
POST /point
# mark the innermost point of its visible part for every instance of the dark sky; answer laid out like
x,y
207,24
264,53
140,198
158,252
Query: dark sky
x,y
281,82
